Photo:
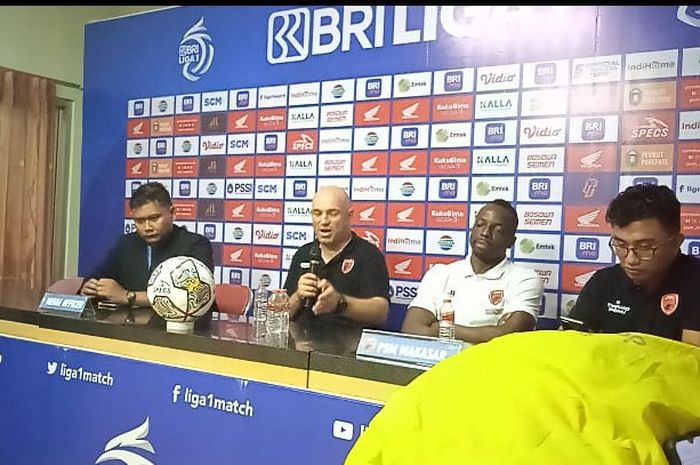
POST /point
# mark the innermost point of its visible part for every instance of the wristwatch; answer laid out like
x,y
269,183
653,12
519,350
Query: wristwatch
x,y
130,298
342,303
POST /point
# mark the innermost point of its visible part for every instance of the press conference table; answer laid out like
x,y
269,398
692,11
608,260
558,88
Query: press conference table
x,y
317,356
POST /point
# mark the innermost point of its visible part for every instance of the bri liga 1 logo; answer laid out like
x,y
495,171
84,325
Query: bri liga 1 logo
x,y
196,52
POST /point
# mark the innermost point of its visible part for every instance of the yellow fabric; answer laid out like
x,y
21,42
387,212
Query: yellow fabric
x,y
542,397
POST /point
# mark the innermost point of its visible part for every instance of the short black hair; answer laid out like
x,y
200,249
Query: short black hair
x,y
509,208
150,192
645,201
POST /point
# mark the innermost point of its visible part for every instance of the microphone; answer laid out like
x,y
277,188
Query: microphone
x,y
314,266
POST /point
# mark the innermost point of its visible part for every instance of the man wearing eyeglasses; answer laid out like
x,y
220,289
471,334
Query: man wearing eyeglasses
x,y
654,288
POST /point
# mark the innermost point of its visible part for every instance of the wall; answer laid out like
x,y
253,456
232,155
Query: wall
x,y
48,41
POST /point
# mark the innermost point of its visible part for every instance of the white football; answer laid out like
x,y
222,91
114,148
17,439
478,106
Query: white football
x,y
181,289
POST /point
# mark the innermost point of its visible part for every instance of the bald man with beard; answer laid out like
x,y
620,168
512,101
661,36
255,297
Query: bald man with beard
x,y
352,282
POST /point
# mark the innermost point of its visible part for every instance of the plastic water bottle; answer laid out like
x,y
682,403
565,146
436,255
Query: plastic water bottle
x,y
446,322
260,307
278,312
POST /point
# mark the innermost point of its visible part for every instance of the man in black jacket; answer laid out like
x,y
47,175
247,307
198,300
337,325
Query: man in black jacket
x,y
654,288
122,277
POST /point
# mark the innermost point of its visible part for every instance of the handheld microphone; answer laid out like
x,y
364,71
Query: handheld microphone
x,y
314,267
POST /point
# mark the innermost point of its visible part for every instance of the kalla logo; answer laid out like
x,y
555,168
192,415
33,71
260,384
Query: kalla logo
x,y
196,52
115,449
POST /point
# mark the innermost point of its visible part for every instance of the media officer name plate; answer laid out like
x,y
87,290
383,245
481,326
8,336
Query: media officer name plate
x,y
406,349
69,305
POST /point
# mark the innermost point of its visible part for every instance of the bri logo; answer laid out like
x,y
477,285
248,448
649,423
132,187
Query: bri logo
x,y
196,52
448,189
587,248
453,81
271,142
694,249
188,103
235,277
139,108
409,137
373,88
645,180
593,129
495,133
300,188
545,73
242,99
210,231
540,188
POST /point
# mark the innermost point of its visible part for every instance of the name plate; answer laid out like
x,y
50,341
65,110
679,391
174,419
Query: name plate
x,y
406,349
70,305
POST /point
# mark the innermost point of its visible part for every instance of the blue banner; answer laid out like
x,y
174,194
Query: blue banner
x,y
67,406
422,113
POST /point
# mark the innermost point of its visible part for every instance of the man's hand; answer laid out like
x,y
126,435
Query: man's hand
x,y
327,300
307,286
90,287
111,290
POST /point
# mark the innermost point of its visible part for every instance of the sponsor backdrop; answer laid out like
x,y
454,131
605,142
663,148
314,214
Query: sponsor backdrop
x,y
175,416
421,113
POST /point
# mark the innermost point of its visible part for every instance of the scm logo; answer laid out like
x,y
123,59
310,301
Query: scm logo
x,y
295,235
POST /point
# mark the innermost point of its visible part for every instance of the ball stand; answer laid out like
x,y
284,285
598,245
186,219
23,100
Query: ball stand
x,y
180,327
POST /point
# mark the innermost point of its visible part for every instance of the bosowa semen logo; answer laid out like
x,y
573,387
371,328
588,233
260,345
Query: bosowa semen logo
x,y
196,52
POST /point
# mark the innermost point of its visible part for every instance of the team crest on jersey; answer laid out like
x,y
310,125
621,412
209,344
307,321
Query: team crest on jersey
x,y
669,303
347,265
496,297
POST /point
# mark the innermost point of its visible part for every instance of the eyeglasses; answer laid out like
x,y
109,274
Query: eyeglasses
x,y
642,253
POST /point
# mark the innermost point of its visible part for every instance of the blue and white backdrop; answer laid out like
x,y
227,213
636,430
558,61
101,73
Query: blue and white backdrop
x,y
422,113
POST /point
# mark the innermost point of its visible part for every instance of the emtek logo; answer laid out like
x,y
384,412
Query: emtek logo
x,y
587,248
495,133
196,52
540,188
116,448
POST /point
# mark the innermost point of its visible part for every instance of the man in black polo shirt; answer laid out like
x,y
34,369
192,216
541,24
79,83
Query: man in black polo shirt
x,y
122,277
654,288
353,282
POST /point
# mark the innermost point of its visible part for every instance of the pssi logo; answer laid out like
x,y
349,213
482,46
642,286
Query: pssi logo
x,y
196,52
